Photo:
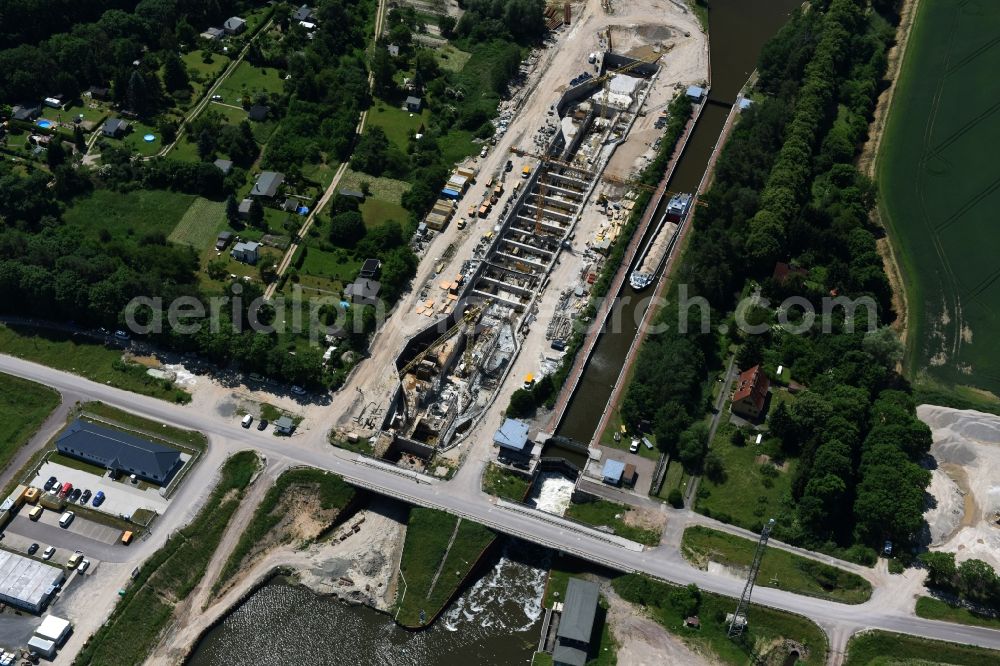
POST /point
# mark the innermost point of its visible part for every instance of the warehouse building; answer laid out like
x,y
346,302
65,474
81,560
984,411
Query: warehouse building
x,y
27,583
119,452
576,624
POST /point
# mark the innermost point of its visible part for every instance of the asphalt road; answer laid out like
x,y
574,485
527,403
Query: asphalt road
x,y
838,619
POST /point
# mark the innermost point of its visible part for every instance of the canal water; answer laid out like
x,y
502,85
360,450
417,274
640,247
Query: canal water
x,y
738,30
496,621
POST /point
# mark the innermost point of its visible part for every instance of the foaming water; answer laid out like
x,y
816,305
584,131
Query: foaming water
x,y
553,494
494,622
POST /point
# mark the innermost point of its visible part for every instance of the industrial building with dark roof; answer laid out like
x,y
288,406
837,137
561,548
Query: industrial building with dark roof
x,y
576,625
119,452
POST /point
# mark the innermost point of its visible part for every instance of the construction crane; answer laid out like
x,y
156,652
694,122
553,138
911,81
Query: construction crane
x,y
739,621
470,317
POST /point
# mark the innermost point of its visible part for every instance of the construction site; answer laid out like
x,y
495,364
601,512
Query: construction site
x,y
449,373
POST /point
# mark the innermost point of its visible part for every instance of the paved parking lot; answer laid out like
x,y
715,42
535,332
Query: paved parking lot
x,y
95,540
121,498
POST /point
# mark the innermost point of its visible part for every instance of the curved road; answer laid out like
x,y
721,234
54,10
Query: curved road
x,y
839,620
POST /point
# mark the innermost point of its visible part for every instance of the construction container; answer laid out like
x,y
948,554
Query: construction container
x,y
31,495
51,500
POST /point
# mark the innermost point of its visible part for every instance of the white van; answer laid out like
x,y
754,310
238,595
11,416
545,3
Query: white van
x,y
247,420
66,519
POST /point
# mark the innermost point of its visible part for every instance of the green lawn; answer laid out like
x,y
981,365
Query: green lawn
x,y
779,569
199,70
130,214
676,477
376,211
135,141
938,193
247,80
200,224
93,111
84,357
398,124
764,633
935,609
504,483
882,648
451,58
386,189
24,406
191,439
743,497
456,145
169,575
338,266
427,535
602,513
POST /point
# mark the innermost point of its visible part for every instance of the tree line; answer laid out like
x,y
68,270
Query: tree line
x,y
786,190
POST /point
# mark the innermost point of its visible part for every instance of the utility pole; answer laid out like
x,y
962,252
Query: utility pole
x,y
739,621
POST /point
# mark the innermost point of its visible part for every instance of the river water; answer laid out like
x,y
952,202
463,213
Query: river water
x,y
497,620
738,30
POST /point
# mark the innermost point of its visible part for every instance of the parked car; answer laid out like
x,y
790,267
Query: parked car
x,y
74,559
83,566
98,498
51,482
32,549
66,519
887,549
48,553
75,495
66,489
122,335
634,446
85,497
262,424
298,390
247,420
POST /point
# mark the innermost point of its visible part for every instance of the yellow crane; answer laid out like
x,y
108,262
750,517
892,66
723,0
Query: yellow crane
x,y
469,317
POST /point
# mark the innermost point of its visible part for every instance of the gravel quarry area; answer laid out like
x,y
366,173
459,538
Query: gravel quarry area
x,y
965,484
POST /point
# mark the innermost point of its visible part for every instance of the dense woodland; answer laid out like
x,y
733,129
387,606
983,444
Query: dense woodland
x,y
786,190
55,270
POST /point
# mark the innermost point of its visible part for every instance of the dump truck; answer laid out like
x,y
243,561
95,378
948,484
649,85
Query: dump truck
x,y
484,208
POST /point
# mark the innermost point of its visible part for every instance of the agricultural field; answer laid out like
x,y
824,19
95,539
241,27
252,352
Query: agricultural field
x,y
939,193
130,214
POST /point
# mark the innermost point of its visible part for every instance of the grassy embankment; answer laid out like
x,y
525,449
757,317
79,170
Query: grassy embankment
x,y
766,627
603,513
84,356
936,609
879,648
428,534
170,575
938,193
333,494
779,568
24,406
504,483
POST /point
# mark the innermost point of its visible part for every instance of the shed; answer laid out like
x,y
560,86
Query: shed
x,y
413,104
43,647
27,583
284,425
695,93
213,34
353,194
512,436
54,629
267,184
745,103
225,166
234,25
244,209
290,205
222,240
258,112
613,471
98,92
628,475
393,50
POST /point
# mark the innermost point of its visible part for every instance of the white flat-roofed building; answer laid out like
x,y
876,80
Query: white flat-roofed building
x,y
27,583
